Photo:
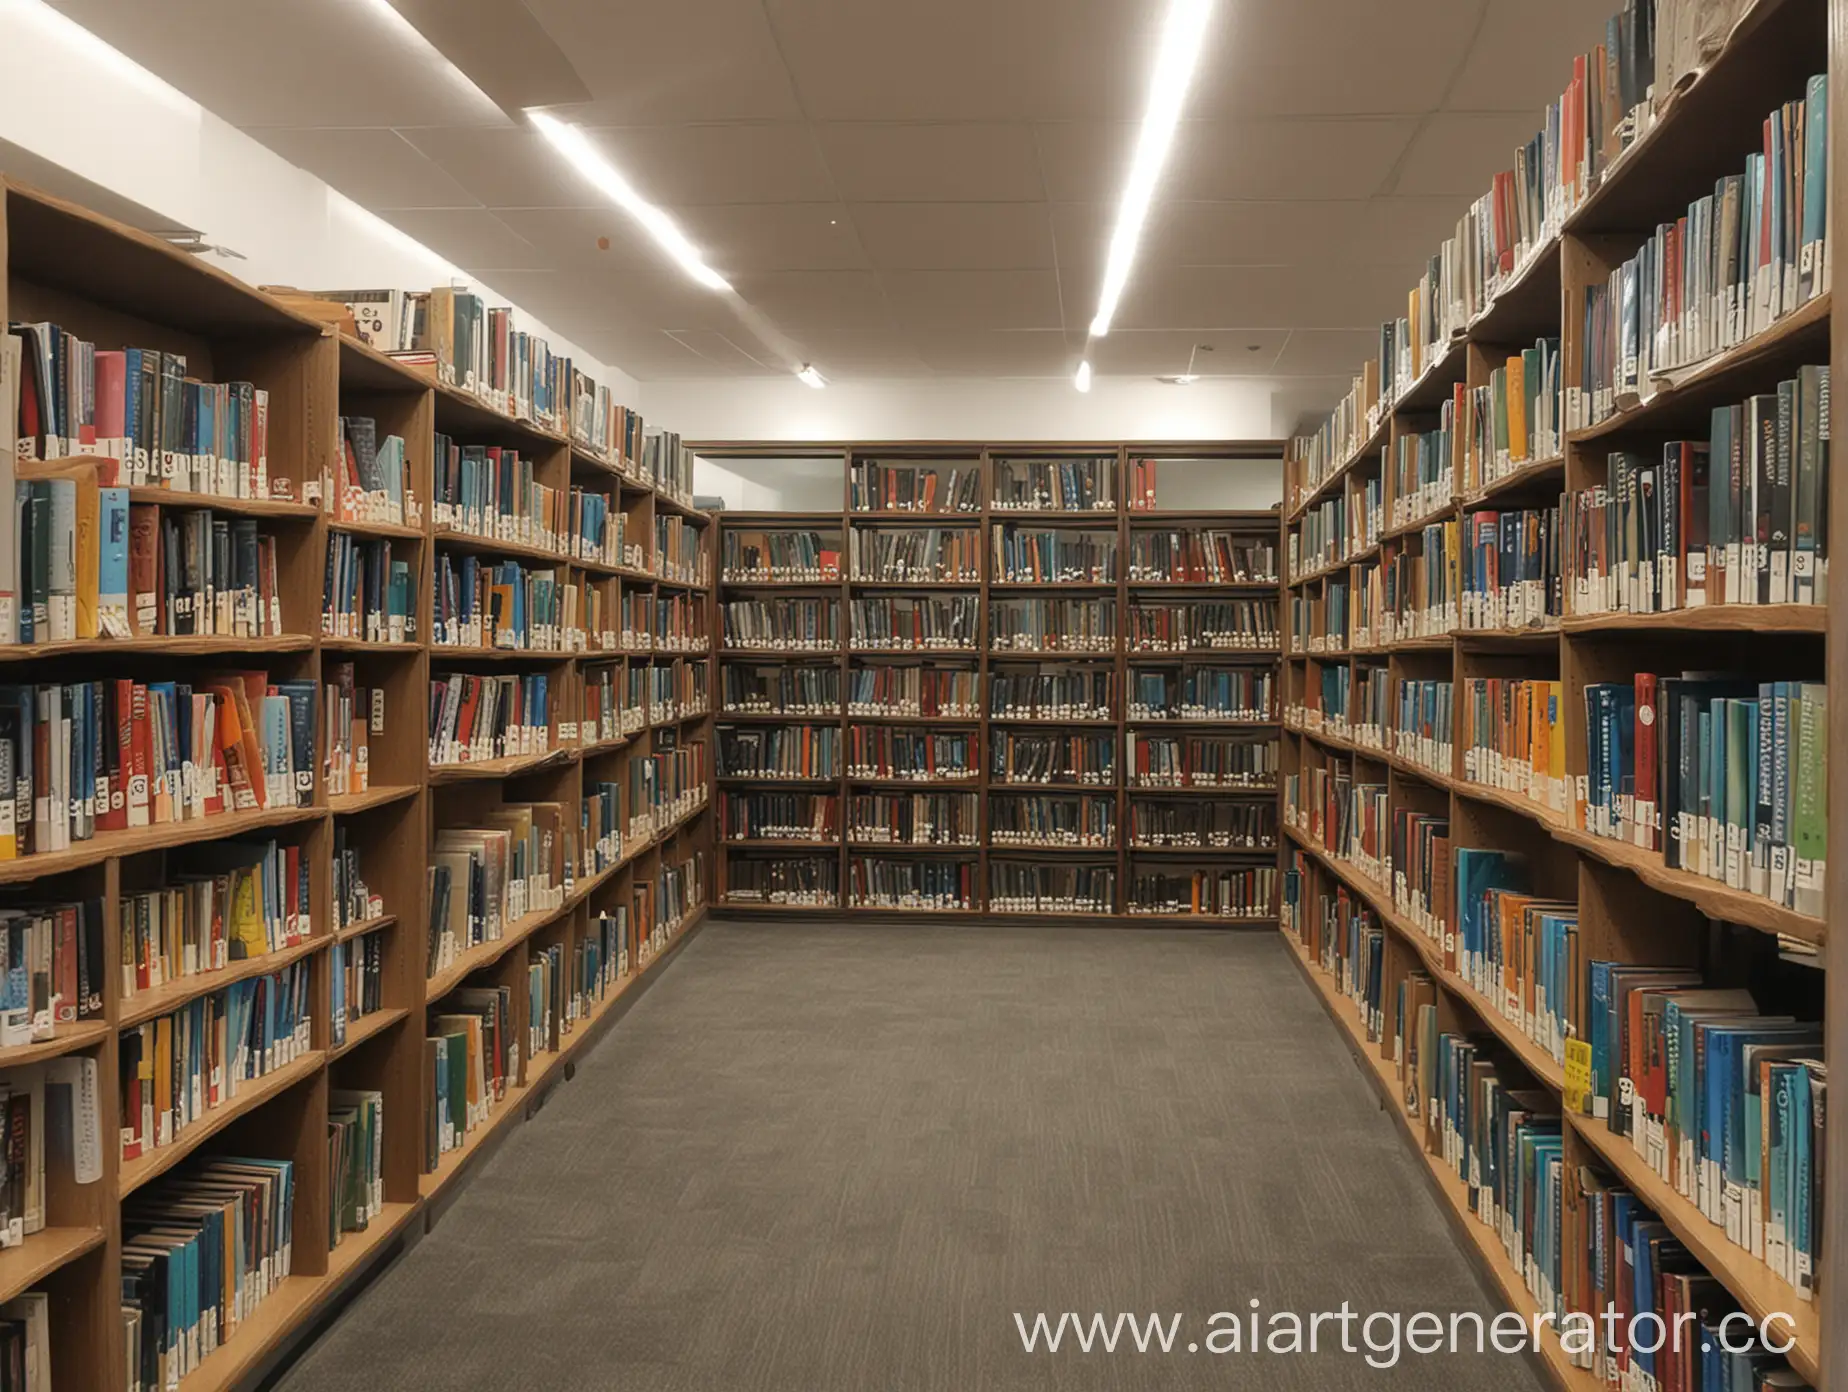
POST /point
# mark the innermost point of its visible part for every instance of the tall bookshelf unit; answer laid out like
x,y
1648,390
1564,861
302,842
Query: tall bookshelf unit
x,y
1631,906
1108,805
116,286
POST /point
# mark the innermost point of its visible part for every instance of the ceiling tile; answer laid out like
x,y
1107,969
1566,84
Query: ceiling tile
x,y
377,169
1165,353
1332,58
742,237
1321,352
955,236
592,239
513,168
718,163
722,350
801,302
990,353
887,60
1282,297
974,163
1458,155
692,60
473,238
1522,57
1088,161
925,300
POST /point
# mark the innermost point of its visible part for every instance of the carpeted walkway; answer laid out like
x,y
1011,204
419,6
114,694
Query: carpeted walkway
x,y
842,1158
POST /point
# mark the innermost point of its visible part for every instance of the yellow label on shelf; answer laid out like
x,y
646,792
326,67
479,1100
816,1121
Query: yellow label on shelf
x,y
1578,1075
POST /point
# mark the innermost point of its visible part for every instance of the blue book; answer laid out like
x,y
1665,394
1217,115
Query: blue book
x,y
1813,257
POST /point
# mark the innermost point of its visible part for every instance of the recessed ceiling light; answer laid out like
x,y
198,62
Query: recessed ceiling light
x,y
572,144
1083,380
1174,68
809,377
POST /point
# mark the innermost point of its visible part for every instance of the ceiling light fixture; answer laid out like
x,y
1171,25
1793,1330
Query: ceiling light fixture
x,y
809,377
1083,380
1174,68
575,147
1189,377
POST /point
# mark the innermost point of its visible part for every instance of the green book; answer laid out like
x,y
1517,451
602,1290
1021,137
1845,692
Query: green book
x,y
1740,786
1810,834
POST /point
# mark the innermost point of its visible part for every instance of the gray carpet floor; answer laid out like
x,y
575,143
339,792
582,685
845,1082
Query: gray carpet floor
x,y
820,1158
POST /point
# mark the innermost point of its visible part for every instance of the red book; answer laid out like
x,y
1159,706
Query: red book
x,y
1644,833
64,967
111,401
141,747
144,586
297,910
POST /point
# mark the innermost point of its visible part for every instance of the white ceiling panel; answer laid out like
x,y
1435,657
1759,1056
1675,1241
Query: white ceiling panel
x,y
473,238
1324,352
1522,57
930,300
511,168
375,167
961,163
776,163
743,237
1166,352
802,302
587,239
991,353
1457,155
664,63
955,236
1088,161
1207,297
724,351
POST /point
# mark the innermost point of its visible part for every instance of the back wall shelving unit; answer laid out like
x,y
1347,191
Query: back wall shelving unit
x,y
117,287
1044,714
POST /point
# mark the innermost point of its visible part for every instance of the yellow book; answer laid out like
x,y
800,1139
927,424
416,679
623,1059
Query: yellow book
x,y
1517,408
89,554
245,913
163,1080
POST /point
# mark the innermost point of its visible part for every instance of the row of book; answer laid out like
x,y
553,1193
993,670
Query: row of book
x,y
779,556
1084,692
785,689
224,902
1511,569
939,555
1731,266
1738,518
494,493
666,786
914,819
140,408
1044,757
176,1067
1513,737
609,711
368,592
102,756
1029,887
914,623
53,960
471,1059
202,1250
599,960
1203,693
1054,485
779,751
476,718
782,625
353,901
1422,729
1022,555
483,879
790,816
679,551
874,882
373,485
1202,556
1200,761
356,975
1422,469
806,881
1726,776
1326,535
351,716
878,485
907,692
882,752
1248,893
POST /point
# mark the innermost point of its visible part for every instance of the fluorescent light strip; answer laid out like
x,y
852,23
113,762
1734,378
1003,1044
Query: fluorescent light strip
x,y
572,144
809,377
1174,69
1083,380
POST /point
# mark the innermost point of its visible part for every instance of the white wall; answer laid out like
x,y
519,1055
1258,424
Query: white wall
x,y
73,100
938,408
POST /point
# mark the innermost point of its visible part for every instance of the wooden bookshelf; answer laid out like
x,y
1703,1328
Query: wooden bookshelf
x,y
120,287
1632,906
983,660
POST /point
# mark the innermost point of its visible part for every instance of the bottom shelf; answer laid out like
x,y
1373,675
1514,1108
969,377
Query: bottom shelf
x,y
539,1069
293,1304
1455,1195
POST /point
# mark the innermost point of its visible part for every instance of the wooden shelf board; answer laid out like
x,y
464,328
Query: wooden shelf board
x,y
457,652
43,1252
776,844
1708,618
485,954
1432,387
145,1005
362,1029
1797,338
273,508
1367,449
392,530
500,768
360,927
158,645
345,804
1418,524
65,1039
111,845
253,1093
1534,471
468,541
330,643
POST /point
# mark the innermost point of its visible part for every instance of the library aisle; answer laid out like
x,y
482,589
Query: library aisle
x,y
838,1156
